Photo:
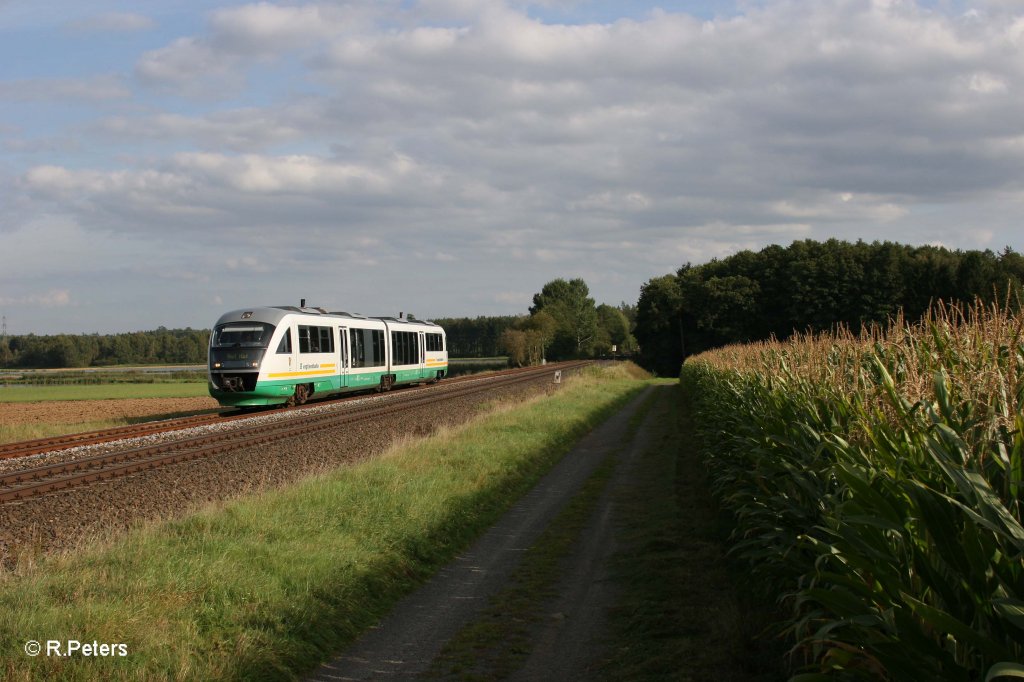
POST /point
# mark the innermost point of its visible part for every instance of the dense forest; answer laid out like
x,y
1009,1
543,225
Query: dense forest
x,y
476,337
162,346
810,286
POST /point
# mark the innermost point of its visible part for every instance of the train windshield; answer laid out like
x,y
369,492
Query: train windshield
x,y
245,335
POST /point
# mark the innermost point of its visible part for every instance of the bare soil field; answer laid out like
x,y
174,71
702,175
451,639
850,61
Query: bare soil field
x,y
79,411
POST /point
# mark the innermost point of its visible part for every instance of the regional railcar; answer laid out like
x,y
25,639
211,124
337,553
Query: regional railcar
x,y
285,354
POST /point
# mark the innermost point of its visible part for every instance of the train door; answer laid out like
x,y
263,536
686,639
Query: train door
x,y
343,357
423,354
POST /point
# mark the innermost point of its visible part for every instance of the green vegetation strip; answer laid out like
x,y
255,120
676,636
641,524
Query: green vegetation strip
x,y
30,394
264,588
685,611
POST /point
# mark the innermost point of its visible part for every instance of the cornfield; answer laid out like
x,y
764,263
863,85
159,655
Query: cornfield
x,y
876,484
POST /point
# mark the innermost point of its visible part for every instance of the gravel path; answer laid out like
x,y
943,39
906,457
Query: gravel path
x,y
404,644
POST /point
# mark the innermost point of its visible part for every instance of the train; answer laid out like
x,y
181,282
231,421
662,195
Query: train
x,y
284,355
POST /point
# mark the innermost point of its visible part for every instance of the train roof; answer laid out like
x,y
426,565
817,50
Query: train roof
x,y
274,315
406,320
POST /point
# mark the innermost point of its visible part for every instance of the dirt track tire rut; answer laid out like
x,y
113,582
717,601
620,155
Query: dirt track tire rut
x,y
404,644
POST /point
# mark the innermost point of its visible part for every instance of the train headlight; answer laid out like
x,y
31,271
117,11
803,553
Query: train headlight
x,y
216,365
254,364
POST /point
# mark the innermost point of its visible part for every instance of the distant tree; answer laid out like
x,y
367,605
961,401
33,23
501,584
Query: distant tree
x,y
613,329
659,326
629,310
570,305
541,328
724,306
478,337
516,345
186,346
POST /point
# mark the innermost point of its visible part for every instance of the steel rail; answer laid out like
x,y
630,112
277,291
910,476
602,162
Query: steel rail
x,y
72,440
68,474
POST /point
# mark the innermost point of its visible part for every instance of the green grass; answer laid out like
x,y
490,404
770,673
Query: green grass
x,y
685,611
265,587
28,394
162,374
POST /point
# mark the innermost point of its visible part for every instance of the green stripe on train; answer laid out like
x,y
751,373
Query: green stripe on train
x,y
278,391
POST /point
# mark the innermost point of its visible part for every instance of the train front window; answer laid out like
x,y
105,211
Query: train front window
x,y
245,335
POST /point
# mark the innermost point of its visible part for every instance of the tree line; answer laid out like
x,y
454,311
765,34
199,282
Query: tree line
x,y
807,286
161,346
563,322
810,286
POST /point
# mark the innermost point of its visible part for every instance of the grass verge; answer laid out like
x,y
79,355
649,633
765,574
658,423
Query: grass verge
x,y
686,612
31,394
265,587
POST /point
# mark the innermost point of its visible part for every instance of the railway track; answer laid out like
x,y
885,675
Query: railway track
x,y
41,480
73,440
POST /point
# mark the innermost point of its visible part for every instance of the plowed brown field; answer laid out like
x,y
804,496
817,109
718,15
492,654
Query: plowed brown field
x,y
77,411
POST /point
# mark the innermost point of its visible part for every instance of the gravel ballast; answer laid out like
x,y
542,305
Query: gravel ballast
x,y
69,519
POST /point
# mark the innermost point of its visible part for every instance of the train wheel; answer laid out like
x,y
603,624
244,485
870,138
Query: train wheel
x,y
300,396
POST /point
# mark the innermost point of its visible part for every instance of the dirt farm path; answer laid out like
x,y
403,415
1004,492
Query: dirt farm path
x,y
81,411
564,647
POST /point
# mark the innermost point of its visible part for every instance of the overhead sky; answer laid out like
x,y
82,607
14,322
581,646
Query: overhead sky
x,y
164,163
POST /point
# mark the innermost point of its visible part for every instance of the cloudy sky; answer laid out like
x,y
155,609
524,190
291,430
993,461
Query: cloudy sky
x,y
161,165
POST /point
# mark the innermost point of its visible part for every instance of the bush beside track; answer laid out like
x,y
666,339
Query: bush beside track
x,y
267,587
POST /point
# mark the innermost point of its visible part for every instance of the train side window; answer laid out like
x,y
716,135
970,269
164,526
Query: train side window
x,y
405,348
285,347
304,341
378,348
326,339
358,352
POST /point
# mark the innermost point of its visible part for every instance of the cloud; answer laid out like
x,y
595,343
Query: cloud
x,y
113,22
90,88
188,64
54,298
264,28
199,65
488,144
240,130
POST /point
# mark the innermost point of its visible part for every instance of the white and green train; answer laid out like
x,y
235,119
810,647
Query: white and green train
x,y
285,354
